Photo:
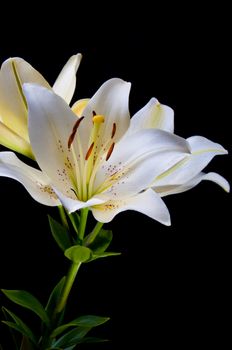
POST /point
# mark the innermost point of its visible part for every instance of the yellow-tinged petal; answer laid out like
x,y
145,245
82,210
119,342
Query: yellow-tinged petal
x,y
13,107
11,140
79,106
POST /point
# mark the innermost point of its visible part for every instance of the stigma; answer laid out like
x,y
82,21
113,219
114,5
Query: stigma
x,y
98,118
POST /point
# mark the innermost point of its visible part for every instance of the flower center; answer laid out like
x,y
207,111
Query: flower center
x,y
100,148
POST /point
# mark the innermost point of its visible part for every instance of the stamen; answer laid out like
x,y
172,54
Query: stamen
x,y
113,130
94,113
74,192
110,151
74,130
98,118
89,151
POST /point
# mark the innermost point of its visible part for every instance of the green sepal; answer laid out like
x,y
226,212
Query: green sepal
x,y
88,321
60,234
103,255
73,337
28,301
101,242
21,326
78,254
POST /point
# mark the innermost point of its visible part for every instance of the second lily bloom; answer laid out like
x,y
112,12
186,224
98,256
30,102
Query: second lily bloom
x,y
13,105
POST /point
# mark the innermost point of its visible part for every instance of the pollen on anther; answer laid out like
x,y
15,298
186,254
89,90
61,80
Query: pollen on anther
x,y
110,151
89,151
113,130
74,130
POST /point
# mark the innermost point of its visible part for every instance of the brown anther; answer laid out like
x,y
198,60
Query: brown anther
x,y
110,151
89,151
74,192
74,130
113,130
94,113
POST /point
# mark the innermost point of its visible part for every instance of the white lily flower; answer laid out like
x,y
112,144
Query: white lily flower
x,y
188,172
13,106
88,162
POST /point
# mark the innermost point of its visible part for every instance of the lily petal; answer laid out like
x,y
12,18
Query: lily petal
x,y
50,125
13,108
202,151
35,182
137,159
214,177
10,139
153,115
148,203
111,101
74,204
66,82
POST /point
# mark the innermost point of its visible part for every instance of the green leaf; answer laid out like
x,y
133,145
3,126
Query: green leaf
x,y
25,330
59,233
78,254
27,300
54,296
103,255
88,321
73,337
101,242
88,340
14,326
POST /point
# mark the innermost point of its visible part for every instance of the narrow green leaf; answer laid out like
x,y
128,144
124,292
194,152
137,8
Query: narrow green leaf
x,y
27,300
73,337
25,330
7,317
88,340
88,321
101,242
78,254
54,297
14,326
59,233
103,255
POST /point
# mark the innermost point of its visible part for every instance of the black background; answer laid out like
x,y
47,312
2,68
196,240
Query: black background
x,y
170,286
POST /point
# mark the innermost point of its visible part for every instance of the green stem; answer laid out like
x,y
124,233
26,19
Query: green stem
x,y
63,216
91,237
83,221
67,287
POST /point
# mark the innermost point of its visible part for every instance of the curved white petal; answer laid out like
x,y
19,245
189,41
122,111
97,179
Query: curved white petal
x,y
13,110
202,152
214,177
50,125
137,160
66,82
148,203
35,182
74,204
111,101
153,115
